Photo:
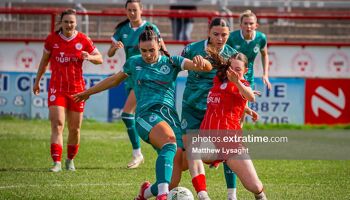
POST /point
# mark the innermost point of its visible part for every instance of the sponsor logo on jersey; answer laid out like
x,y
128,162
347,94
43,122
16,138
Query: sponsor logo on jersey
x,y
213,99
78,46
138,68
152,118
125,36
237,46
55,46
165,69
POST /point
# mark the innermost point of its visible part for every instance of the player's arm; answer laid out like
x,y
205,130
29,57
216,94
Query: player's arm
x,y
114,47
107,83
265,63
252,113
95,57
245,91
198,63
41,71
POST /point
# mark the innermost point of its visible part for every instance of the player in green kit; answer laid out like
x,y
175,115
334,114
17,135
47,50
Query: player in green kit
x,y
125,36
157,122
250,42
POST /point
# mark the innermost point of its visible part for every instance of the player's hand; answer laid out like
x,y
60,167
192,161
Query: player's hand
x,y
117,45
80,97
266,81
36,88
257,92
255,116
232,75
198,61
85,55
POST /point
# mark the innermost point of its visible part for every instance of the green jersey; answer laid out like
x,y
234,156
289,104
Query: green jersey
x,y
199,83
250,48
153,83
130,38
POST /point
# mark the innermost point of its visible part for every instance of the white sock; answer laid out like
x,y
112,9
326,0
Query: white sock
x,y
136,152
148,194
231,194
202,193
163,188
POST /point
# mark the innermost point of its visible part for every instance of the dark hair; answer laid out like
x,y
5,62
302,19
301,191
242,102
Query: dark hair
x,y
127,20
218,22
222,64
149,35
68,11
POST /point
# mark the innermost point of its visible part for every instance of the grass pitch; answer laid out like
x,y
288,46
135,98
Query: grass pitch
x,y
102,174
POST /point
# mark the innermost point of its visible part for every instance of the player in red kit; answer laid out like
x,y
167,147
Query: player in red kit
x,y
226,104
65,49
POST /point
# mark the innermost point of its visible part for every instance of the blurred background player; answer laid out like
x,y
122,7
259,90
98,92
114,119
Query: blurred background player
x,y
66,49
182,27
125,36
157,120
234,92
194,101
250,42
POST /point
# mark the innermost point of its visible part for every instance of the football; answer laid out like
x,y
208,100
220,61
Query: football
x,y
180,193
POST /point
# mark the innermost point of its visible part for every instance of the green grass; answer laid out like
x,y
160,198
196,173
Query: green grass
x,y
102,174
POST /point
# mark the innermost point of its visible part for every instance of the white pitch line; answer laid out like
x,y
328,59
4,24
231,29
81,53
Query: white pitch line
x,y
67,185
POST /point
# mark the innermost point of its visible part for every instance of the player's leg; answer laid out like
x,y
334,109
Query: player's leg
x,y
231,183
74,121
177,171
128,118
245,170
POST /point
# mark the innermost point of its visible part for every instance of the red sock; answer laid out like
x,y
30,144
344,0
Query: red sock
x,y
56,152
199,183
72,151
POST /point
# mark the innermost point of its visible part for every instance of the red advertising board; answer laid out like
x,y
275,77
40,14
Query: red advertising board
x,y
327,101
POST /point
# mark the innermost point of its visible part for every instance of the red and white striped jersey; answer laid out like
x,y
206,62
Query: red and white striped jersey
x,y
225,106
66,61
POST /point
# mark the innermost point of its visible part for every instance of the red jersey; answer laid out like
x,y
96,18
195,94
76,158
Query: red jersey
x,y
66,61
225,106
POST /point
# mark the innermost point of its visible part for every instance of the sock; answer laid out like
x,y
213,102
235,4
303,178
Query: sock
x,y
136,152
148,193
72,151
163,188
230,177
260,196
231,194
199,183
164,166
129,121
56,152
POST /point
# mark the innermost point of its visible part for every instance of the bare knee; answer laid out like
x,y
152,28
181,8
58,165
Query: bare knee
x,y
255,187
57,126
74,131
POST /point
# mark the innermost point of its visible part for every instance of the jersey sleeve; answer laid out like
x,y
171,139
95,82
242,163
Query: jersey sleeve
x,y
179,62
186,52
127,67
89,45
263,41
48,44
245,83
116,36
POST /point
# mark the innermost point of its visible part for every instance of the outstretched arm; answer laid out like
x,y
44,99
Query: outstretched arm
x,y
41,71
198,63
107,83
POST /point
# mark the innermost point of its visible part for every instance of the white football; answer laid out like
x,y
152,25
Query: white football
x,y
180,193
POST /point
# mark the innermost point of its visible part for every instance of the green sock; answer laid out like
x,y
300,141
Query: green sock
x,y
230,176
164,166
129,121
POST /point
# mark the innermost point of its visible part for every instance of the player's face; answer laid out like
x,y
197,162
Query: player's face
x,y
149,51
133,12
69,23
218,36
248,25
238,67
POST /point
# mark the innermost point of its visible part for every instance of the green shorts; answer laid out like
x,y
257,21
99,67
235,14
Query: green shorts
x,y
158,113
191,118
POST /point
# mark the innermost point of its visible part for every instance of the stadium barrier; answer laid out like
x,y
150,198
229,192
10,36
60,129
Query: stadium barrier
x,y
309,79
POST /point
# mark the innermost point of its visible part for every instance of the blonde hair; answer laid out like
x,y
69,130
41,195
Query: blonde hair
x,y
247,13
